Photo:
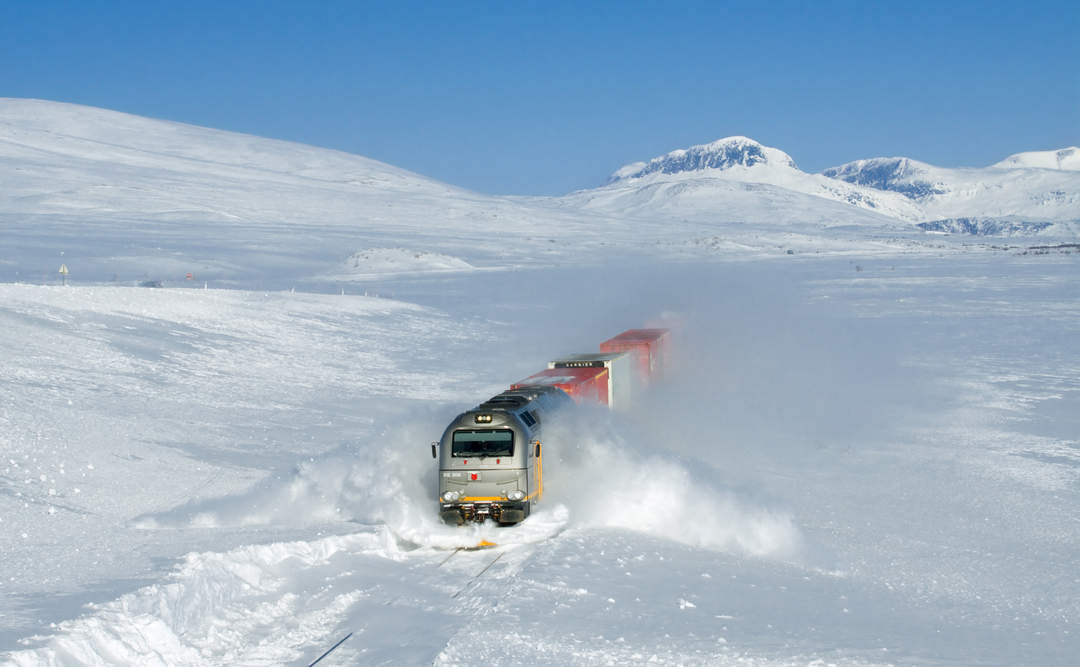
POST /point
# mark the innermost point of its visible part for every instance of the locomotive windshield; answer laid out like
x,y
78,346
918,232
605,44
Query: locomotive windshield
x,y
492,442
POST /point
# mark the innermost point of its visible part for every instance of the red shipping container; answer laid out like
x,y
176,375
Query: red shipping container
x,y
582,384
649,347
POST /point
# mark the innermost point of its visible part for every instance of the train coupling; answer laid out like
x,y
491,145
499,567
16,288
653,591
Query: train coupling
x,y
460,514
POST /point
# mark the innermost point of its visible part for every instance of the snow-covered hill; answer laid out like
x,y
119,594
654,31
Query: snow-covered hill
x,y
108,192
1066,159
52,139
1023,186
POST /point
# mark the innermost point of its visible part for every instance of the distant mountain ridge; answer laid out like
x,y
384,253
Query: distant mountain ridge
x,y
1040,186
739,159
1026,193
64,159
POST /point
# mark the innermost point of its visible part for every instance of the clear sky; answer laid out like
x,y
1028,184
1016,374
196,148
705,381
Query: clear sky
x,y
548,97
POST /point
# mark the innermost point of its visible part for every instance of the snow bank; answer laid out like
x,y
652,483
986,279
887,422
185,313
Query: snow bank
x,y
373,261
217,608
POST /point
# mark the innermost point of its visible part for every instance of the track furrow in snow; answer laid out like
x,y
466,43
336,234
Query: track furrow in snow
x,y
479,574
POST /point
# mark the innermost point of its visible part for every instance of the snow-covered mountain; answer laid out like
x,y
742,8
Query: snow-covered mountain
x,y
738,178
1066,159
720,154
1024,186
711,178
898,174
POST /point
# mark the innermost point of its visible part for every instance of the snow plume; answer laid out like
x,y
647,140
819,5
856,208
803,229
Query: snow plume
x,y
388,479
613,481
381,479
594,478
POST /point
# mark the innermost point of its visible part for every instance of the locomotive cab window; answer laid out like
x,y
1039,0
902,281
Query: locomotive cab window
x,y
491,442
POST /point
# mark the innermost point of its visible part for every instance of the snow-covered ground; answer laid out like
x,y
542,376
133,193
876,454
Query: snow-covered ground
x,y
868,463
868,453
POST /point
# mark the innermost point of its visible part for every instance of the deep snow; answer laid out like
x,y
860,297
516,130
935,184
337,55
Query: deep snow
x,y
867,453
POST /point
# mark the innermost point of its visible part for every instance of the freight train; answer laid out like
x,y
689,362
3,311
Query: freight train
x,y
491,457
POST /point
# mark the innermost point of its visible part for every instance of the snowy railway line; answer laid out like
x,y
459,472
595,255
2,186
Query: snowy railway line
x,y
276,604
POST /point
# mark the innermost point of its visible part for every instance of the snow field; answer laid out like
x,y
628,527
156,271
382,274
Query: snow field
x,y
377,262
881,475
219,607
123,401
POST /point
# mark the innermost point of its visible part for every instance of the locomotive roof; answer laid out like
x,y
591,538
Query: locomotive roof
x,y
512,399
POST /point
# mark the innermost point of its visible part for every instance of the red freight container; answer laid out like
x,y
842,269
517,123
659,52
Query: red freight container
x,y
621,380
649,347
582,384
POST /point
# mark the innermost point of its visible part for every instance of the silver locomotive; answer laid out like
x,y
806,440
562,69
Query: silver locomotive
x,y
490,458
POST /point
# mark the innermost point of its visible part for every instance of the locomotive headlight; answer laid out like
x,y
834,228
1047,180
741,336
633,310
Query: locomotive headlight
x,y
451,496
516,495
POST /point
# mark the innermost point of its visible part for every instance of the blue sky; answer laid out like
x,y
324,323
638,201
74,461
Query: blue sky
x,y
549,97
